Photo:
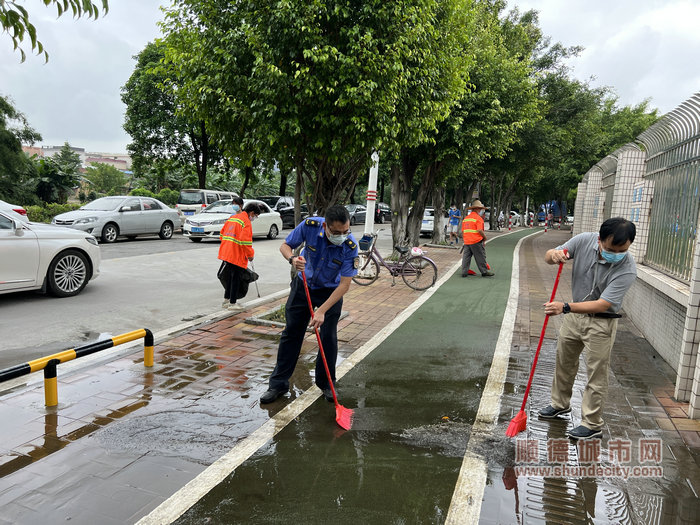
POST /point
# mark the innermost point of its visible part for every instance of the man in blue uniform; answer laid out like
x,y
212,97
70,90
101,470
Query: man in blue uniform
x,y
330,261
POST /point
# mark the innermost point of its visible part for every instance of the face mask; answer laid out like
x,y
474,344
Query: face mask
x,y
252,218
336,239
236,208
612,257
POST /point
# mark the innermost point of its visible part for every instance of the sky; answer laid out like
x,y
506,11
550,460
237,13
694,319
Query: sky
x,y
643,50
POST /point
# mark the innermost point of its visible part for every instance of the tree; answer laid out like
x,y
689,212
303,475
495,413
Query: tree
x,y
317,85
157,129
14,19
16,183
105,178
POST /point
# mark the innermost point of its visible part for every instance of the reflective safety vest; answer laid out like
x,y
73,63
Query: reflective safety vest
x,y
237,240
471,225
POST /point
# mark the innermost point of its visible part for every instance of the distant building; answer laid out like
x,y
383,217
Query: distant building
x,y
121,161
33,150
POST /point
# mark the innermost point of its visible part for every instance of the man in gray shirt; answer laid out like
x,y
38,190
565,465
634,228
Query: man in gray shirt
x,y
603,272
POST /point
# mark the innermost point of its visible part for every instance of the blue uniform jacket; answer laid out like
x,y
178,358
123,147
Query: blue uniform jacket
x,y
325,262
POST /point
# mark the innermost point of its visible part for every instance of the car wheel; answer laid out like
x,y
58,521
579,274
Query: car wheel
x,y
68,274
196,239
380,219
352,221
110,232
166,230
273,232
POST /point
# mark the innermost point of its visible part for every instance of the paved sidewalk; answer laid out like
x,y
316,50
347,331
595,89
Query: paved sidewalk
x,y
640,405
124,438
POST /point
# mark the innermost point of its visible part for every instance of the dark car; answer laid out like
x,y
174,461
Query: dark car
x,y
357,213
382,213
287,215
277,202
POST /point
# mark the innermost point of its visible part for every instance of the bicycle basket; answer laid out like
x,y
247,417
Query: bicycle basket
x,y
365,242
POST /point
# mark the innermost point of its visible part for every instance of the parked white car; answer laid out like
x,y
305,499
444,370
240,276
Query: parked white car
x,y
208,223
42,257
110,217
15,210
428,221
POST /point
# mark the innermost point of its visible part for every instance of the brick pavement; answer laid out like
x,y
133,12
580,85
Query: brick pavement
x,y
124,438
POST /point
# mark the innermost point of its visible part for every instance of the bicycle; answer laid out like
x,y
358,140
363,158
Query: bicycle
x,y
417,271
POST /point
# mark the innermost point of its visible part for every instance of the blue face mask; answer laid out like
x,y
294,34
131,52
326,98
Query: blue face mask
x,y
612,257
236,208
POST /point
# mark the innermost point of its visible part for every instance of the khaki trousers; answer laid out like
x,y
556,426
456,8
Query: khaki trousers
x,y
597,335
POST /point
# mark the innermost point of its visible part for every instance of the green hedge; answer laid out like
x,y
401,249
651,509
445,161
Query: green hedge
x,y
49,211
165,195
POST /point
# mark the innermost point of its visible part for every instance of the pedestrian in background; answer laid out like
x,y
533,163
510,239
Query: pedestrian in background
x,y
455,219
473,236
236,248
330,261
602,272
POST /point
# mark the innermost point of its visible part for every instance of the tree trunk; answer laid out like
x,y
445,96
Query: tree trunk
x,y
401,184
439,204
332,181
381,190
283,181
247,171
415,218
297,195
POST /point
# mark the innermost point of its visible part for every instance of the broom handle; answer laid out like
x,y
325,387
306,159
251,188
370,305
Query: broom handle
x,y
318,338
539,345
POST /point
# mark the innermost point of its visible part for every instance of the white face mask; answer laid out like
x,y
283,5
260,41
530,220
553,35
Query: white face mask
x,y
482,212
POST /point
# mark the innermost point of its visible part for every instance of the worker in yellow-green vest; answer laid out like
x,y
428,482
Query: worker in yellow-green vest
x,y
474,237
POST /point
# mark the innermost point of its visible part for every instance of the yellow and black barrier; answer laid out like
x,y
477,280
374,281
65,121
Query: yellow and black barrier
x,y
49,363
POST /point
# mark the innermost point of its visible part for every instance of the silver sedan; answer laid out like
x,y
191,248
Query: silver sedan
x,y
110,217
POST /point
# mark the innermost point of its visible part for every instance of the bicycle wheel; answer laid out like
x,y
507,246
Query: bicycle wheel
x,y
367,270
419,272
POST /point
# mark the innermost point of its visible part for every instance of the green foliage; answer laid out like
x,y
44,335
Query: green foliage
x,y
141,192
82,197
14,19
105,178
168,196
47,212
17,183
57,176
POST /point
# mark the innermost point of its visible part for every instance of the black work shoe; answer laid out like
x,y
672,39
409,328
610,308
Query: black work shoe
x,y
549,412
328,394
463,275
581,432
271,395
488,274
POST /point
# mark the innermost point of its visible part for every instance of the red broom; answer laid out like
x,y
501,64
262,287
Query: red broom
x,y
519,422
343,416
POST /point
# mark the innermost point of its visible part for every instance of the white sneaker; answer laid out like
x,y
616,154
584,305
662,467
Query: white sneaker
x,y
235,307
225,304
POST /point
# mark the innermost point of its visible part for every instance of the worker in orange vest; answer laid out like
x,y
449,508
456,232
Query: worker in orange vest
x,y
474,237
236,248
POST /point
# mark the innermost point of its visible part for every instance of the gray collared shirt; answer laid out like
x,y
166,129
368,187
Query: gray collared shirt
x,y
594,278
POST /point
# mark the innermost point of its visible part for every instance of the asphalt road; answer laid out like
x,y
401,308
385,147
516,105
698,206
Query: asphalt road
x,y
143,283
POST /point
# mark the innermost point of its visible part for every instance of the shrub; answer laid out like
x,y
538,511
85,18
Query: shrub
x,y
92,195
81,196
168,196
141,192
49,211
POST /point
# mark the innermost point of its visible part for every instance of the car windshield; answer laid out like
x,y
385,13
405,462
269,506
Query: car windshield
x,y
220,207
428,213
103,204
351,207
190,197
270,201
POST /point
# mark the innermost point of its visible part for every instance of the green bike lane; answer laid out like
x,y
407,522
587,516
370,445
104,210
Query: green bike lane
x,y
415,398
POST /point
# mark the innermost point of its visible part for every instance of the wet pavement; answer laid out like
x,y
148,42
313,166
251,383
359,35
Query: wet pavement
x,y
124,438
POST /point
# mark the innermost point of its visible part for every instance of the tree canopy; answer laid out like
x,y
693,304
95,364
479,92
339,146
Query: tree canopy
x,y
14,19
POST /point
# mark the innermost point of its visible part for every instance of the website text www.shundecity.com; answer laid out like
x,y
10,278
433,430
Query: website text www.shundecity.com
x,y
588,454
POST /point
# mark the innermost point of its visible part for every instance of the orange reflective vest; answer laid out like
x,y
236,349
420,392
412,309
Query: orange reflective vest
x,y
237,240
471,225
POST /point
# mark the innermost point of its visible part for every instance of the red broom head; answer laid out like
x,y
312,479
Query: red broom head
x,y
343,416
517,424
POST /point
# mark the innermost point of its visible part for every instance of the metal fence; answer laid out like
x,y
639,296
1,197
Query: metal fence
x,y
673,164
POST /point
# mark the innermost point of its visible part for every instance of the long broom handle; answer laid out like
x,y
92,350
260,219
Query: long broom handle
x,y
539,345
318,338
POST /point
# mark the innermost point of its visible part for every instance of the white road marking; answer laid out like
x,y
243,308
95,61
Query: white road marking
x,y
177,504
465,507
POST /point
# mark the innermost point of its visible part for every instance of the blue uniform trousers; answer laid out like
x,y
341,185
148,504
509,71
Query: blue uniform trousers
x,y
297,317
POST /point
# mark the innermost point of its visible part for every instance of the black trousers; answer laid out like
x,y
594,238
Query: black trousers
x,y
298,316
234,273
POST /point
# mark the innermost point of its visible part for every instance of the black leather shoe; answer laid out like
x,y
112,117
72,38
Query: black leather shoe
x,y
549,412
271,395
328,394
